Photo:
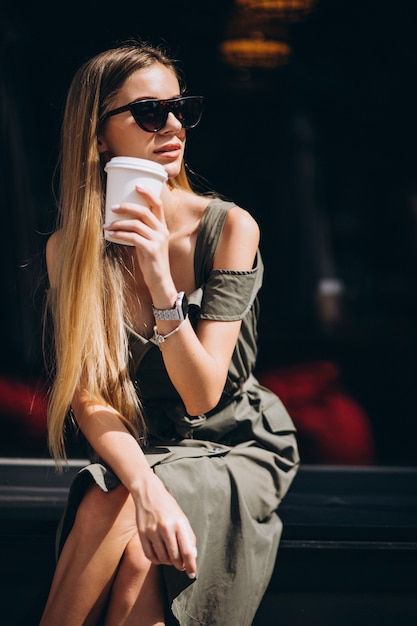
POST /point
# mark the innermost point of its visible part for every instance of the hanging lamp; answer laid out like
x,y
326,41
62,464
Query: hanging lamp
x,y
255,51
290,10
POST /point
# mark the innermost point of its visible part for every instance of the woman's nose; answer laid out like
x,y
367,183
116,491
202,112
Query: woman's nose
x,y
172,123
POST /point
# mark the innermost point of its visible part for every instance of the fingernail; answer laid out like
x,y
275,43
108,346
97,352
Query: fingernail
x,y
114,207
192,575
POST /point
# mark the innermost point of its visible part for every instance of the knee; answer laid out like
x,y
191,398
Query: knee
x,y
134,561
101,512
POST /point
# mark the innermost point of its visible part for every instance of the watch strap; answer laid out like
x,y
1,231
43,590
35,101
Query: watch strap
x,y
178,312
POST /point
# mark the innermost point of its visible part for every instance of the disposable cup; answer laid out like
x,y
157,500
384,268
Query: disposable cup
x,y
123,175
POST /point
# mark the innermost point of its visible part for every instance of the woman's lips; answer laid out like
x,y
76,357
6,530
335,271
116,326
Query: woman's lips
x,y
171,150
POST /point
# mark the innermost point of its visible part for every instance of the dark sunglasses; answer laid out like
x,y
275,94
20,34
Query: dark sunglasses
x,y
152,115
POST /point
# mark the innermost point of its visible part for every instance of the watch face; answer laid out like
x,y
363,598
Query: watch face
x,y
184,304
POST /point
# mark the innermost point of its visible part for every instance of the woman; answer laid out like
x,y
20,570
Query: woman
x,y
155,343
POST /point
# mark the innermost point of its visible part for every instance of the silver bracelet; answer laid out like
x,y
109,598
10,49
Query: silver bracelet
x,y
158,338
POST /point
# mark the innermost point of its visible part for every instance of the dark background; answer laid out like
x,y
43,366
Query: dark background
x,y
322,151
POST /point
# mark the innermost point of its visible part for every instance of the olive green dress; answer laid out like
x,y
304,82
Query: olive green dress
x,y
228,469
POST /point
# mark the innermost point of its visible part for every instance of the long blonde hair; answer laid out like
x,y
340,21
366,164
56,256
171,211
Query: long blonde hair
x,y
88,303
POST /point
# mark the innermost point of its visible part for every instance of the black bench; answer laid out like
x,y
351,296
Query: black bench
x,y
348,555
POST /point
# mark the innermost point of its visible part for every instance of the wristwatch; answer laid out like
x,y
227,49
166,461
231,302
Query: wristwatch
x,y
179,312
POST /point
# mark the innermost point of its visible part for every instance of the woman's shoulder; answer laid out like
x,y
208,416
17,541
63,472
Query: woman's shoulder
x,y
231,233
235,217
214,209
240,220
239,241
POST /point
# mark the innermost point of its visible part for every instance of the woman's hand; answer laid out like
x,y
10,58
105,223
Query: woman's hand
x,y
144,227
165,532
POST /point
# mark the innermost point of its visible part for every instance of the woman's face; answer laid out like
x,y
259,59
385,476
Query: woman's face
x,y
121,136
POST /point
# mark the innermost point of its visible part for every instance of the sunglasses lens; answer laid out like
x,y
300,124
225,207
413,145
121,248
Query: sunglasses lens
x,y
189,110
151,115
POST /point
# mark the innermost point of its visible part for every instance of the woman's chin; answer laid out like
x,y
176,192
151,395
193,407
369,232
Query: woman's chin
x,y
172,169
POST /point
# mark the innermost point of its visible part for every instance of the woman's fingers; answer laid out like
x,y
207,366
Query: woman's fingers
x,y
136,225
176,548
131,227
154,203
158,552
187,554
130,211
164,530
182,549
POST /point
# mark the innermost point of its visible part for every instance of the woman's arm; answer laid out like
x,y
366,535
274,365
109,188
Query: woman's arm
x,y
197,362
204,357
163,528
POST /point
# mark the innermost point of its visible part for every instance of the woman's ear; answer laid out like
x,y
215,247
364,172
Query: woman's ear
x,y
101,144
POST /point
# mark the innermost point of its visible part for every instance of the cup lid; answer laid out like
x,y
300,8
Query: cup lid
x,y
136,163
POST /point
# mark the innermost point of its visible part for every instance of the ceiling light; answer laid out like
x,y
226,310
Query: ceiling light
x,y
255,51
280,9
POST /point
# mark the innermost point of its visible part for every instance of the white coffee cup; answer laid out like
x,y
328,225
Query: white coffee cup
x,y
123,175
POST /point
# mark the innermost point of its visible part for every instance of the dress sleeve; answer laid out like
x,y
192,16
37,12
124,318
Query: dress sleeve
x,y
229,294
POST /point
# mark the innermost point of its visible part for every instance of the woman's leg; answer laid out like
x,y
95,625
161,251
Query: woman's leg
x,y
137,594
105,524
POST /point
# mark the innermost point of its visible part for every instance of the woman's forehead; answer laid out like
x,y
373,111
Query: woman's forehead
x,y
153,81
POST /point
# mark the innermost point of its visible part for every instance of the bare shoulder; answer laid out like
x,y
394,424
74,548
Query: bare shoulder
x,y
51,251
239,241
241,222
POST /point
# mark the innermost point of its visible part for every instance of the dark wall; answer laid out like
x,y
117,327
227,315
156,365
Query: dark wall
x,y
321,151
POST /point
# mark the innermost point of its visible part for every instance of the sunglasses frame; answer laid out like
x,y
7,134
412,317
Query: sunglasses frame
x,y
169,106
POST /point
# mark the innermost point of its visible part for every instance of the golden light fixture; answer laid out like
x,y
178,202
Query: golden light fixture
x,y
280,9
255,51
251,41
